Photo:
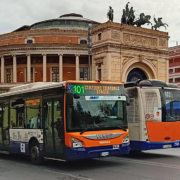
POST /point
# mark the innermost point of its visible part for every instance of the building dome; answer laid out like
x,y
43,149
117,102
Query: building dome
x,y
70,21
49,51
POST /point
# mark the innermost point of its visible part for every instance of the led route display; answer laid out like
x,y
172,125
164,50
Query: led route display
x,y
94,89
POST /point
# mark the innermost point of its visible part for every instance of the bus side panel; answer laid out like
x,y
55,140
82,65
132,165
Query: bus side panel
x,y
19,140
134,131
163,131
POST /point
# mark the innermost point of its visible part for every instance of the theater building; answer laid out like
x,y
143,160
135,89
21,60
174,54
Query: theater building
x,y
57,50
47,51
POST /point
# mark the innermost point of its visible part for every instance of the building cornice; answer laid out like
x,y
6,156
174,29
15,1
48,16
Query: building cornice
x,y
43,32
106,47
124,27
47,46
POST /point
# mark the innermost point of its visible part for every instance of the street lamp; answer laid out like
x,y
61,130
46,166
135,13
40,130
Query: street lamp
x,y
89,49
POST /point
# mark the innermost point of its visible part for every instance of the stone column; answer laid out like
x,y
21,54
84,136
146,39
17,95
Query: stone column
x,y
14,69
77,67
121,60
2,69
44,67
60,67
167,70
96,72
108,66
28,68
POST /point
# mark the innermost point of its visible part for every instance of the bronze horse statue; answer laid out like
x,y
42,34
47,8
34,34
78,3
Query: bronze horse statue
x,y
159,23
142,20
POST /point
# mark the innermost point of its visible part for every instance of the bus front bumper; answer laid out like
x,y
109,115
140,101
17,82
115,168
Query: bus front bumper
x,y
144,145
72,154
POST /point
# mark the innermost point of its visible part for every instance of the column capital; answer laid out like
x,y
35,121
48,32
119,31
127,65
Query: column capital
x,y
77,54
60,54
13,55
44,54
28,54
1,56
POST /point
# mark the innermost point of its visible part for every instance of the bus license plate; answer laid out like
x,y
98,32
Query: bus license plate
x,y
104,153
167,146
115,146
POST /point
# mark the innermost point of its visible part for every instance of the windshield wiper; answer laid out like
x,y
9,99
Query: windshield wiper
x,y
122,128
88,128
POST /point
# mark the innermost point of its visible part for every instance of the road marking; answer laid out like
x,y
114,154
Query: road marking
x,y
148,163
78,177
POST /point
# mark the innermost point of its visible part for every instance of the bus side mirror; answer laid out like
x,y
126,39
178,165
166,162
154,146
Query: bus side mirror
x,y
76,96
69,99
127,100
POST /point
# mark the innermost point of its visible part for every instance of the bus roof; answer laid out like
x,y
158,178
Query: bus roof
x,y
37,86
32,87
150,83
94,82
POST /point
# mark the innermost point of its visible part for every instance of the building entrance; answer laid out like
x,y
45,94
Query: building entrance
x,y
136,74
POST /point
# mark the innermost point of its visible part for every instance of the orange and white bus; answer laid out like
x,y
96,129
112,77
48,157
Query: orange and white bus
x,y
153,115
67,121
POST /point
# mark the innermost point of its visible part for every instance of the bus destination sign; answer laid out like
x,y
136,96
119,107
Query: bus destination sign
x,y
94,89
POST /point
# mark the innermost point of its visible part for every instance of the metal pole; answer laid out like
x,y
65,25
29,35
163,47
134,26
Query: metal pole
x,y
89,51
89,61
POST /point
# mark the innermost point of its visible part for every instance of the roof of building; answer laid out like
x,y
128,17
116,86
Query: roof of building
x,y
22,28
70,21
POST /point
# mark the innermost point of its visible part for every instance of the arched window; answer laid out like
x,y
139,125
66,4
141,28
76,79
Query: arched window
x,y
83,42
29,41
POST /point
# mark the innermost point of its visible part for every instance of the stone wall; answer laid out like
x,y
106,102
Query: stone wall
x,y
120,48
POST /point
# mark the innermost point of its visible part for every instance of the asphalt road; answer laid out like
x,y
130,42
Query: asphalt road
x,y
149,165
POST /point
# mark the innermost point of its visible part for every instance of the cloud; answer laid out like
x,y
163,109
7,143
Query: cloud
x,y
16,13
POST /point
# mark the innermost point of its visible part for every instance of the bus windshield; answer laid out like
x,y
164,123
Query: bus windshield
x,y
105,111
172,104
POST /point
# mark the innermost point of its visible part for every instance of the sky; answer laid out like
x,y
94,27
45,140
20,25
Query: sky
x,y
16,13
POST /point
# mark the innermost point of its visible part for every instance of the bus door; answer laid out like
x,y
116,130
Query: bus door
x,y
1,126
4,126
54,127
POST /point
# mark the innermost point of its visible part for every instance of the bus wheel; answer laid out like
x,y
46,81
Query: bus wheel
x,y
34,154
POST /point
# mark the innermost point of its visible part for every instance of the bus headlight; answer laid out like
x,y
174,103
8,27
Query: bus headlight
x,y
76,143
126,139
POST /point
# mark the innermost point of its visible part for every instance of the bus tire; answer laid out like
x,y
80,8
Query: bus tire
x,y
34,153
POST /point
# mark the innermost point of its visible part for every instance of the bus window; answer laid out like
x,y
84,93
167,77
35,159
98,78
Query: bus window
x,y
48,114
106,114
1,113
33,107
6,123
172,105
152,104
58,117
133,108
17,115
5,114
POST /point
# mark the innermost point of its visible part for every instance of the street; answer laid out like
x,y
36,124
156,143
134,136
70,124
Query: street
x,y
156,165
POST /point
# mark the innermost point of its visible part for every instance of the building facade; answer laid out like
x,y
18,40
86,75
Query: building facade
x,y
124,53
57,50
51,50
174,65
